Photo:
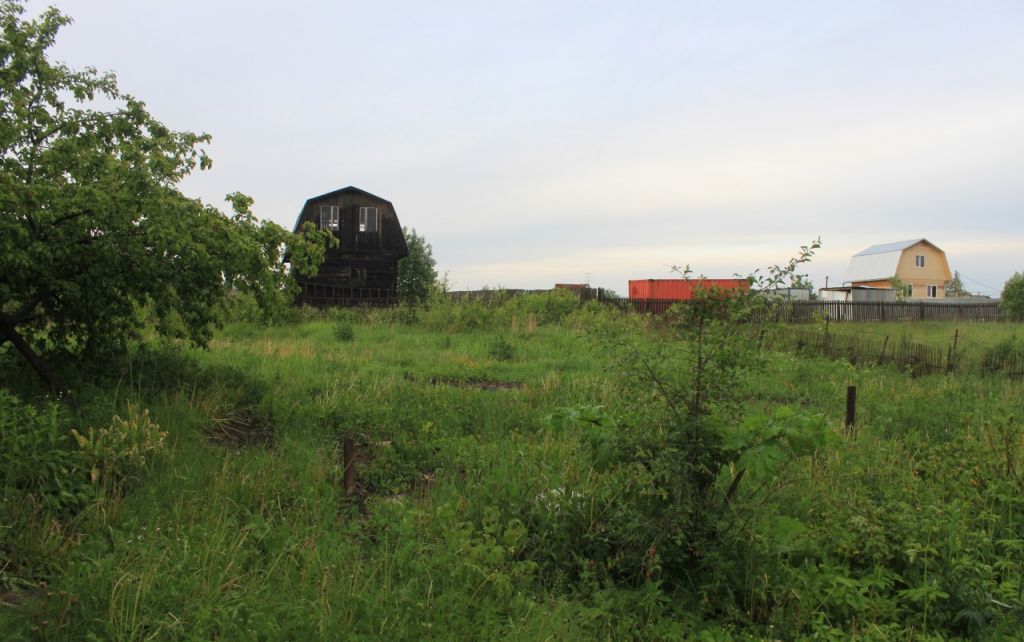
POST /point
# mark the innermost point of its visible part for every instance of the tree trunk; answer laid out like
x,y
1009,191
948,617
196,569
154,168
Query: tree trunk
x,y
10,333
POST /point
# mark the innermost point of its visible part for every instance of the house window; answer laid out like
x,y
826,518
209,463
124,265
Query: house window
x,y
367,219
330,217
933,291
910,291
919,260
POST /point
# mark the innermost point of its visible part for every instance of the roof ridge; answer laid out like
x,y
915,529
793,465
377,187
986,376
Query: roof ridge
x,y
894,246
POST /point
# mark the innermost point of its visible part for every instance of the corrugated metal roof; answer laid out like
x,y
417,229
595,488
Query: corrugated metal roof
x,y
898,246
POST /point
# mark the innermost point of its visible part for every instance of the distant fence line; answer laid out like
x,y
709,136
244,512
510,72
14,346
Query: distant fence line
x,y
920,359
778,311
860,350
785,311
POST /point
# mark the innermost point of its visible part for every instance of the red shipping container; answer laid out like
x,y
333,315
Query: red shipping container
x,y
680,289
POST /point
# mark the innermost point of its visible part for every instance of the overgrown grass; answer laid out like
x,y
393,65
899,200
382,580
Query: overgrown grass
x,y
470,500
973,340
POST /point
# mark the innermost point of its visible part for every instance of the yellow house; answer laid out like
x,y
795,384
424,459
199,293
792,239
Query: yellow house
x,y
918,264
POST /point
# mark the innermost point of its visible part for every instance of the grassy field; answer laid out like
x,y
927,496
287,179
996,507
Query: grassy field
x,y
973,341
508,460
970,337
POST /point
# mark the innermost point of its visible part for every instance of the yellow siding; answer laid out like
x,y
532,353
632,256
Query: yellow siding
x,y
935,271
875,284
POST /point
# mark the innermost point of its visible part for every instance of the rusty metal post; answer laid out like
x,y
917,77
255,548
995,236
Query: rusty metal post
x,y
350,466
851,410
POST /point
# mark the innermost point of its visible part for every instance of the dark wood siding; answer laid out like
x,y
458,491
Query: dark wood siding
x,y
363,262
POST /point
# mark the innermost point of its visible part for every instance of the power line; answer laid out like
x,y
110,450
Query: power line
x,y
988,287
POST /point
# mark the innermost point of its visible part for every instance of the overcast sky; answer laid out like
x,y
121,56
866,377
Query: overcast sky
x,y
542,142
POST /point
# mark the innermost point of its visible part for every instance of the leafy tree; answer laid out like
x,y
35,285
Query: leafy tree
x,y
900,286
955,288
417,273
803,282
699,460
1012,299
92,225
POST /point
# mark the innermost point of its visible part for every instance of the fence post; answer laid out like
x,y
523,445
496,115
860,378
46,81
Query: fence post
x,y
952,352
350,465
851,410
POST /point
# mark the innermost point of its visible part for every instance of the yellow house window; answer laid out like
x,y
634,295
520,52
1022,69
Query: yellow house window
x,y
933,291
919,260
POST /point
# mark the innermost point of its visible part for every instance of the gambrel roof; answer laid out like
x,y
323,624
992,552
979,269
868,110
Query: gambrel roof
x,y
879,261
884,248
344,190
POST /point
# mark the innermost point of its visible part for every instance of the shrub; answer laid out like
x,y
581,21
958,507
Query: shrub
x,y
343,331
1007,356
545,307
38,459
118,451
1011,302
501,349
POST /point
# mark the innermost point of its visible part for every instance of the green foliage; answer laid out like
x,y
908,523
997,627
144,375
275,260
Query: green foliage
x,y
344,331
1011,301
955,288
523,312
802,281
417,273
558,507
94,227
118,451
1006,356
501,349
39,458
683,452
900,286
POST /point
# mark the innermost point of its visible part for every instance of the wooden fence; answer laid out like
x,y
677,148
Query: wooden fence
x,y
880,311
781,311
919,359
329,296
860,350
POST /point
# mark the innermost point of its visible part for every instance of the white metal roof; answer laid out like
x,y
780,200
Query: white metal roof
x,y
884,248
879,261
873,267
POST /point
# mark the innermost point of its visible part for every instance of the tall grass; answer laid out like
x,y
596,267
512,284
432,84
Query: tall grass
x,y
469,497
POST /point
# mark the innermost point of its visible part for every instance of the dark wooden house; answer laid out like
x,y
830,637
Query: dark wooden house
x,y
363,269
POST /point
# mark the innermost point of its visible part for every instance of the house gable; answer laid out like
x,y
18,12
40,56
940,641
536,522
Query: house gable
x,y
363,268
923,261
918,263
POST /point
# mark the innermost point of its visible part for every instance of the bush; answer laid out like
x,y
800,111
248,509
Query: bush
x,y
38,459
119,451
545,307
1011,302
1007,356
501,349
344,331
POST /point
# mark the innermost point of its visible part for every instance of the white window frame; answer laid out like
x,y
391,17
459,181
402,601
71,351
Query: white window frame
x,y
919,260
330,217
933,291
368,221
910,291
